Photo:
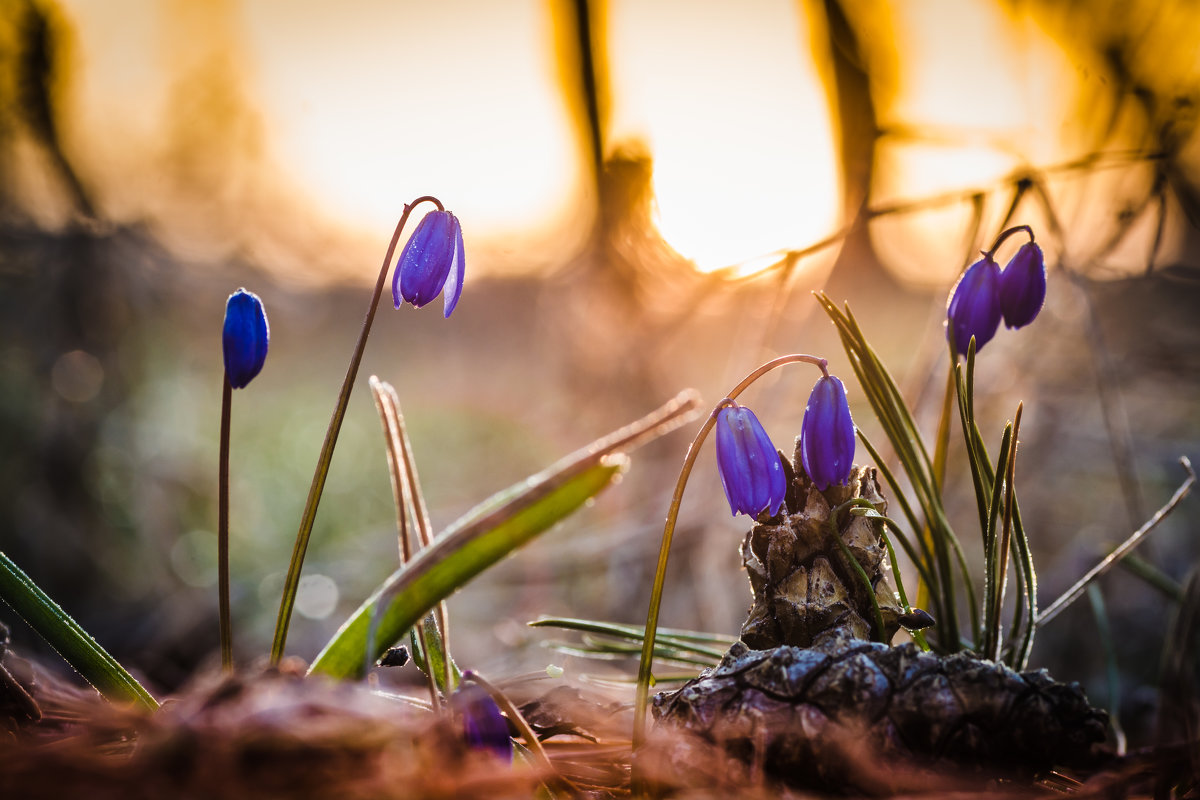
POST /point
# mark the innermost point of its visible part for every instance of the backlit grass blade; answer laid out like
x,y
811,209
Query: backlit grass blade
x,y
480,539
486,534
668,642
72,642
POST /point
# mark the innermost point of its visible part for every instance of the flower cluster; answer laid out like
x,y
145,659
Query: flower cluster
x,y
750,467
985,294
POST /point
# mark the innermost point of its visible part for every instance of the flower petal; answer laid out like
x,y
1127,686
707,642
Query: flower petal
x,y
974,307
827,434
455,279
425,262
1023,286
748,463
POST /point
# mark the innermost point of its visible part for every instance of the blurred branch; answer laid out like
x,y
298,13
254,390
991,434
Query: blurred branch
x,y
36,66
1025,179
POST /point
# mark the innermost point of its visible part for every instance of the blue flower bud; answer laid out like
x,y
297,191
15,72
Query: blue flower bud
x,y
748,463
432,258
827,434
974,308
245,337
1023,286
484,727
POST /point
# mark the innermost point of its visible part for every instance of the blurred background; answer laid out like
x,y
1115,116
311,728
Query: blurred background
x,y
649,191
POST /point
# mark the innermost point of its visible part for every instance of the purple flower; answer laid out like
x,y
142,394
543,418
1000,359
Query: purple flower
x,y
245,337
432,258
974,308
827,434
748,463
484,727
1023,286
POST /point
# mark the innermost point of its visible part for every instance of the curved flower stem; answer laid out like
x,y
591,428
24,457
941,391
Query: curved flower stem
x,y
1007,233
660,574
292,582
223,530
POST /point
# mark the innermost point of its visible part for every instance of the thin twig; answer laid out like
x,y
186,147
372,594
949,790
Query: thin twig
x,y
1072,594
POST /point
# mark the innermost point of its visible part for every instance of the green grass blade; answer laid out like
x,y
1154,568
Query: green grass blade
x,y
472,544
694,642
1112,673
974,454
993,564
72,642
1153,576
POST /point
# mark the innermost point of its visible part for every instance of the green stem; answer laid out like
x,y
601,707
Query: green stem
x,y
664,552
223,531
71,642
292,581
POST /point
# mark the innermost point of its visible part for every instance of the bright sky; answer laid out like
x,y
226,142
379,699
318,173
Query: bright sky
x,y
334,115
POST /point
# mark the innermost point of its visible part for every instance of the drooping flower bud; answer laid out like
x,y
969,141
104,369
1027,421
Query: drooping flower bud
x,y
432,259
974,308
484,727
748,463
827,434
1023,286
245,337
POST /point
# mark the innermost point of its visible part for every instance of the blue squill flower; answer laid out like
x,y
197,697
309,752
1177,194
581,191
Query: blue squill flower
x,y
748,463
484,727
431,260
1023,286
827,434
974,308
245,337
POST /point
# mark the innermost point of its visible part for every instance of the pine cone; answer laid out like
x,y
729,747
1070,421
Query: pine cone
x,y
805,589
814,697
834,716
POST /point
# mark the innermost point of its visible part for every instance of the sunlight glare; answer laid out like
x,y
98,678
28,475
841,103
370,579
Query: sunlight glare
x,y
402,112
733,111
1006,104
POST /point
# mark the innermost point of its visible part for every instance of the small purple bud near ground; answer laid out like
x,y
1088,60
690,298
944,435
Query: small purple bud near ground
x,y
484,727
